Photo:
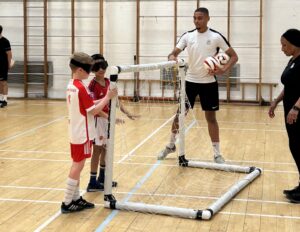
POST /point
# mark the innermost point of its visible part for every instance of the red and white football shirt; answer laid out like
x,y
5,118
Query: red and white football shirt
x,y
81,122
98,91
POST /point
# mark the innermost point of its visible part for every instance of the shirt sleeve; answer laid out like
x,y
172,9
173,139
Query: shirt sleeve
x,y
92,90
86,100
182,43
223,43
7,46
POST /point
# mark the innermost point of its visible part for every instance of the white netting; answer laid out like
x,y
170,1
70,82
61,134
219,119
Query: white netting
x,y
144,179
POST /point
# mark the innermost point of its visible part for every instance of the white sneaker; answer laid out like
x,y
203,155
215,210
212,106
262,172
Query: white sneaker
x,y
163,154
219,159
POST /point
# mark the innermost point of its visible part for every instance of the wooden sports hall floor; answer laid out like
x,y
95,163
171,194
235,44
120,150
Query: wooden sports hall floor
x,y
34,156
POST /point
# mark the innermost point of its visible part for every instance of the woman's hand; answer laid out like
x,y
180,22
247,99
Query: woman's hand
x,y
292,116
272,109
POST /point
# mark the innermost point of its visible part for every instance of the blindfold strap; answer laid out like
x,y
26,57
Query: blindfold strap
x,y
100,64
85,67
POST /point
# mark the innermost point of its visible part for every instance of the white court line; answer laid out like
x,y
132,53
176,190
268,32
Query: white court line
x,y
52,218
128,163
35,188
48,221
31,115
155,195
141,156
31,130
34,159
31,151
261,215
245,129
222,212
145,140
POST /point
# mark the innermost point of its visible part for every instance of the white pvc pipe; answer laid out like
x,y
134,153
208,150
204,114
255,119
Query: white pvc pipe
x,y
146,67
155,209
182,112
224,199
109,157
221,167
189,213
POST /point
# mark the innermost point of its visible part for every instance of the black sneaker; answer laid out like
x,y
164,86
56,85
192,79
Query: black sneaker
x,y
291,191
294,197
99,187
3,104
70,208
95,187
114,184
84,204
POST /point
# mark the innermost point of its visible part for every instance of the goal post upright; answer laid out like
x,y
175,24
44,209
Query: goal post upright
x,y
182,112
109,158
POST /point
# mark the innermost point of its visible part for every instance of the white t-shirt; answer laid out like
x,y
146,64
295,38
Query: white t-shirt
x,y
81,122
200,46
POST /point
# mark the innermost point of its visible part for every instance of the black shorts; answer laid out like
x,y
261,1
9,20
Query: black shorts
x,y
207,92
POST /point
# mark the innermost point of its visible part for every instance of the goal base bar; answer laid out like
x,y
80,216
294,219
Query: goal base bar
x,y
221,167
160,209
206,214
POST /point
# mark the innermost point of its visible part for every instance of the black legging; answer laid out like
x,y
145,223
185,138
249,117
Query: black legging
x,y
293,131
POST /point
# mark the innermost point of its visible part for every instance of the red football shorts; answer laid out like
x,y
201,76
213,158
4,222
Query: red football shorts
x,y
80,152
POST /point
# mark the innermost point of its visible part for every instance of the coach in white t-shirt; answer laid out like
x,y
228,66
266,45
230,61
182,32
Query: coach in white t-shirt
x,y
201,43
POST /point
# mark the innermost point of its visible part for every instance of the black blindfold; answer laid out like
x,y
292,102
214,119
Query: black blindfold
x,y
85,67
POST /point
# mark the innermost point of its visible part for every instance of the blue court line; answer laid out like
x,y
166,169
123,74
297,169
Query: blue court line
x,y
111,216
132,191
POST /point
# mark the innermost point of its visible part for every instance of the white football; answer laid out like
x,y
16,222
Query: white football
x,y
223,58
210,63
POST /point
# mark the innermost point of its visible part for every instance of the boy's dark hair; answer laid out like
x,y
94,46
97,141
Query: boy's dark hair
x,y
99,62
202,10
1,29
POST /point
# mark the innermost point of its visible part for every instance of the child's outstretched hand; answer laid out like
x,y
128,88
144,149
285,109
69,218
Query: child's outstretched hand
x,y
120,121
132,116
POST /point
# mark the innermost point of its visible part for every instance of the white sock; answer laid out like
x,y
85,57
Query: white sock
x,y
76,195
70,190
1,97
216,148
172,140
5,98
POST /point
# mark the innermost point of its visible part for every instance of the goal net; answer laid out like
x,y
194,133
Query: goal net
x,y
187,183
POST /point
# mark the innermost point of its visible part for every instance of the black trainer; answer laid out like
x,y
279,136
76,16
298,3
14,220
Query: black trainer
x,y
291,191
3,104
114,184
294,197
70,208
98,187
84,204
95,187
183,162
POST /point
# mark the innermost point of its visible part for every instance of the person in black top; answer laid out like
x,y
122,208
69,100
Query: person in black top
x,y
5,65
290,78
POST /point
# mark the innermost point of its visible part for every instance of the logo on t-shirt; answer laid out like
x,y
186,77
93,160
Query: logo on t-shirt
x,y
208,42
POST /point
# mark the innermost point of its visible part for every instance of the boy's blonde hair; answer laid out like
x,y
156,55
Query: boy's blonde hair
x,y
82,58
